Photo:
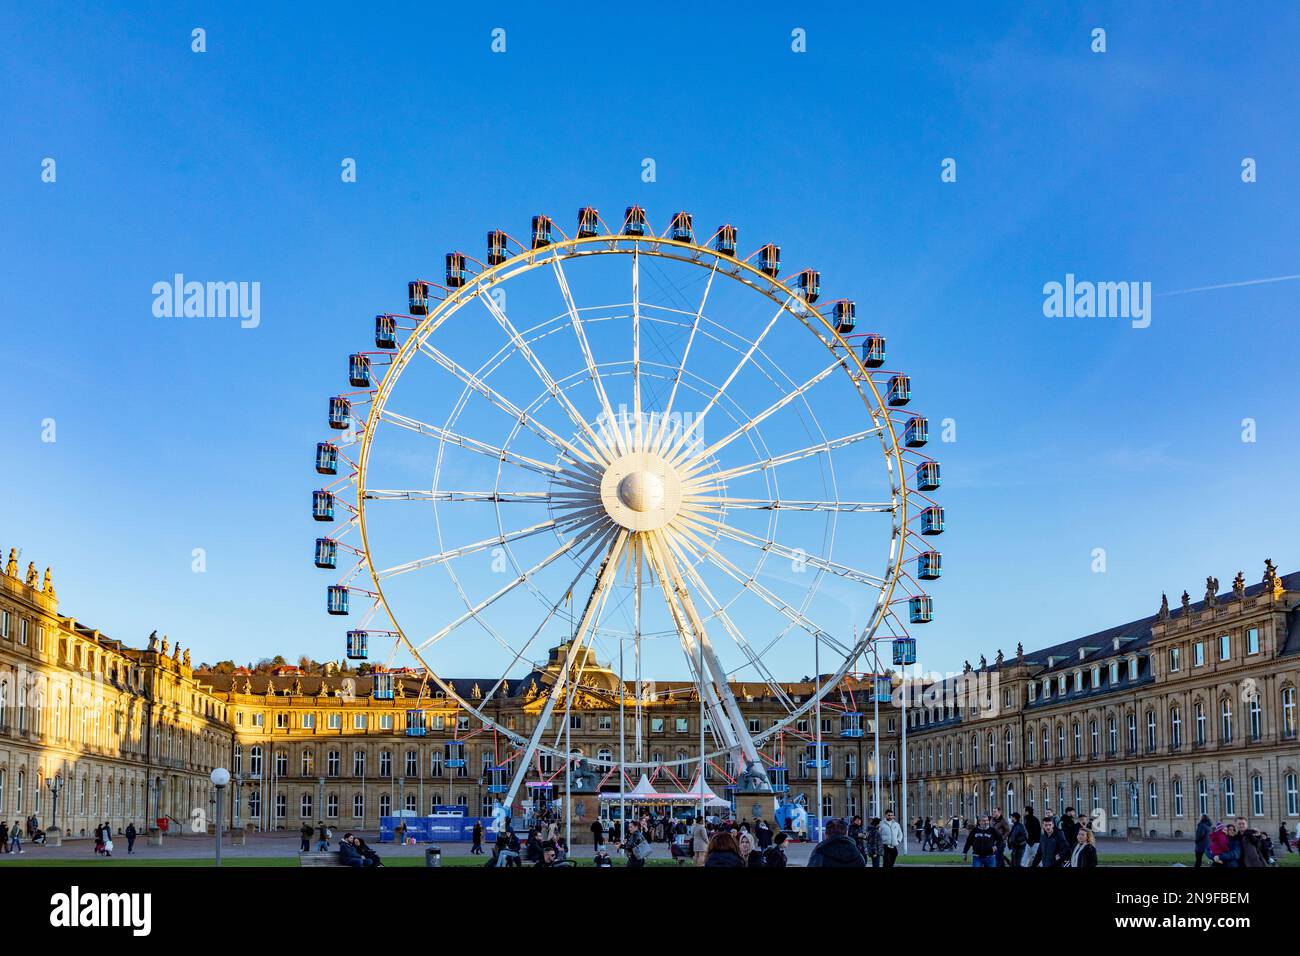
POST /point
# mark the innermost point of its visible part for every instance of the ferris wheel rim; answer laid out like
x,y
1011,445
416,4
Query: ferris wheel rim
x,y
739,270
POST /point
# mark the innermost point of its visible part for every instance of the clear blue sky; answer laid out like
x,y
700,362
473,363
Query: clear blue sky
x,y
1072,434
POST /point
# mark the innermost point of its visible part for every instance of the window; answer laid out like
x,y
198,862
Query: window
x,y
1113,676
1132,733
335,721
307,763
1178,797
682,725
1060,685
1094,680
1176,726
385,763
413,764
1202,797
22,632
1153,799
309,721
304,807
1257,796
385,721
1175,659
255,761
385,804
1029,746
1198,653
1198,714
1292,795
281,720
606,722
1078,740
1060,741
575,721
332,806
1288,711
1229,798
656,725
1151,730
358,721
358,763
1225,720
281,806
1112,735
259,719
4,624
1047,688
358,806
1134,809
1225,647
1094,737
1255,716
332,763
1133,668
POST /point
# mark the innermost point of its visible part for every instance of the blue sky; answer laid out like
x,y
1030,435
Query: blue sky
x,y
1072,434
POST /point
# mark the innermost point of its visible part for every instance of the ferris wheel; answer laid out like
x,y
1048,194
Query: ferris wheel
x,y
632,446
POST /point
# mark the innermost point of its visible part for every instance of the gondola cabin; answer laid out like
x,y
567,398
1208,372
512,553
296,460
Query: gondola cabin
x,y
725,242
496,247
927,475
358,370
340,413
904,651
322,505
846,316
336,599
818,757
455,754
900,390
810,285
457,274
542,228
850,724
358,645
916,432
385,332
496,776
327,458
417,293
873,350
382,689
634,221
769,259
680,229
415,725
588,222
327,551
779,777
932,520
921,609
884,689
929,565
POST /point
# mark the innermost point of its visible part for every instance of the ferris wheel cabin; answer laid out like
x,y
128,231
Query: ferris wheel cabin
x,y
415,723
457,274
929,565
455,754
542,231
340,412
725,242
385,332
322,505
932,520
900,390
884,689
358,370
417,294
810,285
916,432
779,776
680,229
851,724
588,222
818,756
873,351
382,689
497,779
336,600
904,651
846,316
496,243
327,458
921,609
769,259
927,475
634,221
327,552
358,645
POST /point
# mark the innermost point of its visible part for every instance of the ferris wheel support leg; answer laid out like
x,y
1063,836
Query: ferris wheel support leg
x,y
744,744
603,580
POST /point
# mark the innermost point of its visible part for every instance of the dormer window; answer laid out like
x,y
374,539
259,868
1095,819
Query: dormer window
x,y
1047,688
1078,681
1114,673
1060,685
1096,676
1133,668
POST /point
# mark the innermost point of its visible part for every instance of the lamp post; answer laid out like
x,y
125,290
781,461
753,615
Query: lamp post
x,y
220,777
54,835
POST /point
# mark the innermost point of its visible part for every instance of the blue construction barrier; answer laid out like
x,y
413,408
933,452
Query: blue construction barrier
x,y
439,829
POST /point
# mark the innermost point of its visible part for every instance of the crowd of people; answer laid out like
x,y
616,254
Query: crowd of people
x,y
1236,843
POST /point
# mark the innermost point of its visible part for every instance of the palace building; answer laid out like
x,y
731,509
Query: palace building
x,y
1149,723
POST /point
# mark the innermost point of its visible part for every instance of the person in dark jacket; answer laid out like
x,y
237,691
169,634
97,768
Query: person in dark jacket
x,y
986,841
762,833
349,855
1069,827
1053,851
1083,855
305,831
1034,833
130,838
748,852
1017,840
724,851
836,850
1203,829
1003,826
1284,836
476,839
871,841
774,856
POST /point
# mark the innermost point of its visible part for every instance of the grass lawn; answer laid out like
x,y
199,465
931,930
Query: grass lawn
x,y
1105,859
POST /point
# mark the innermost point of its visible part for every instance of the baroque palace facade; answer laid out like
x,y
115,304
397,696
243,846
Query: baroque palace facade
x,y
1190,709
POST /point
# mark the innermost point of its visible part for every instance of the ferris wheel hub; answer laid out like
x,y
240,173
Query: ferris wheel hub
x,y
641,491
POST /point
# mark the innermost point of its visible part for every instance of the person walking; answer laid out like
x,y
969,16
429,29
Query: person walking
x,y
891,838
322,838
699,841
836,850
130,838
1069,826
871,841
752,856
1053,852
1284,836
1084,854
1003,826
636,847
774,855
1203,829
986,842
15,838
1033,833
1017,840
762,833
597,833
476,839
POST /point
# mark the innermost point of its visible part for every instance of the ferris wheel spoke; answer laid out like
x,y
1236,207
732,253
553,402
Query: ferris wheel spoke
x,y
686,438
587,354
491,599
453,553
685,551
593,442
590,616
666,419
771,546
714,479
749,582
718,502
698,460
580,458
504,497
552,472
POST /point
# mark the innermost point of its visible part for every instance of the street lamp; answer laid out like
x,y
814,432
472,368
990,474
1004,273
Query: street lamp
x,y
54,835
220,778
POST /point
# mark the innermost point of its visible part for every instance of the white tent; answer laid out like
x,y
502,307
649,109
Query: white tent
x,y
701,789
644,790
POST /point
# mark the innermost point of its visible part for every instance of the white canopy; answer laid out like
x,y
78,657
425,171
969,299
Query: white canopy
x,y
701,789
644,790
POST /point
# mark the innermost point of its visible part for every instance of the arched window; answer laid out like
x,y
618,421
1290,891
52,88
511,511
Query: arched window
x,y
1288,712
1225,720
307,763
255,761
1175,726
1229,797
1132,733
1202,796
1198,719
1151,731
1094,737
1078,739
1009,742
1257,795
1112,736
1178,796
1289,786
1256,719
1060,741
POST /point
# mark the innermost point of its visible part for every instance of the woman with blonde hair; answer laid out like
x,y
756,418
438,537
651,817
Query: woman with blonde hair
x,y
1084,855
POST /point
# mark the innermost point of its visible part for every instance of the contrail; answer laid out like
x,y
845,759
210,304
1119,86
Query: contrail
x,y
1230,285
